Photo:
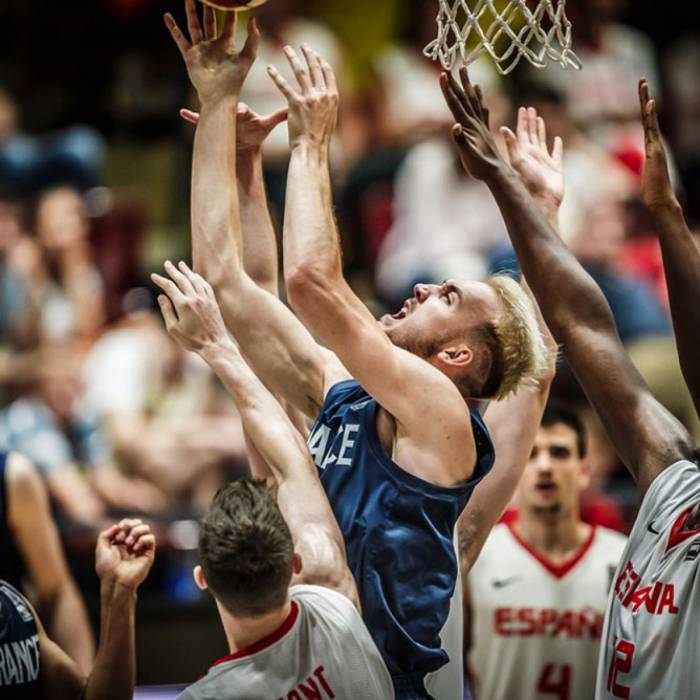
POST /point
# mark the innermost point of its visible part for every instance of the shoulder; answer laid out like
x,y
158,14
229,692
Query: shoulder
x,y
675,487
325,603
21,475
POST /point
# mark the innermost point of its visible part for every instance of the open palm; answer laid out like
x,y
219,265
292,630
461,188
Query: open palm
x,y
541,171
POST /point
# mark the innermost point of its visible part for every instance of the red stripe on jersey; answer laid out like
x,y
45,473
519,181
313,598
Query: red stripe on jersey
x,y
557,570
678,534
265,641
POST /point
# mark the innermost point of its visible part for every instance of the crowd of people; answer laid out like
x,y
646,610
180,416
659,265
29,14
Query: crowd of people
x,y
107,413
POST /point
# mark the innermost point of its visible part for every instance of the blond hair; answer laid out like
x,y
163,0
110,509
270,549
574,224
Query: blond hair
x,y
524,355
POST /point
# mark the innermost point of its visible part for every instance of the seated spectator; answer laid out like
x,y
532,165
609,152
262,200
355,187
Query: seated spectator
x,y
34,666
445,224
74,155
164,418
49,425
32,559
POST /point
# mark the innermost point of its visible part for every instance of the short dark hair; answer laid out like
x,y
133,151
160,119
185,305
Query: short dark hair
x,y
558,412
246,549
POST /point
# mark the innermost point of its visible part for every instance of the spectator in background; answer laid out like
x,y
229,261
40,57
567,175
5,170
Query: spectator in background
x,y
51,426
167,423
32,559
30,164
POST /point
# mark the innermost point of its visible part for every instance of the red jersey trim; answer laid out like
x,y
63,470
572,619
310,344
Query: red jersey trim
x,y
678,534
265,642
557,570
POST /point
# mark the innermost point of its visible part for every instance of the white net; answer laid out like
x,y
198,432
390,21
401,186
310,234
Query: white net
x,y
538,30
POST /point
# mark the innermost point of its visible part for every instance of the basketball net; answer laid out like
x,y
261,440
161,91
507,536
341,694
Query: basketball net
x,y
539,31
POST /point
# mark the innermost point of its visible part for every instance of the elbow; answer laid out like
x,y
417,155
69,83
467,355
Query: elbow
x,y
305,285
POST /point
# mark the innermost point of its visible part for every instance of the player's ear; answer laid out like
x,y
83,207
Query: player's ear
x,y
198,576
297,564
456,355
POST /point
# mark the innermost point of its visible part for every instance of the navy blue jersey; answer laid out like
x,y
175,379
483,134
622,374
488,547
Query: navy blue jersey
x,y
11,567
19,647
398,529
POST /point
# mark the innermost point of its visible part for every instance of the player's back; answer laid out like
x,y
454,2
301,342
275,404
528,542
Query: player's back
x,y
323,650
537,626
651,644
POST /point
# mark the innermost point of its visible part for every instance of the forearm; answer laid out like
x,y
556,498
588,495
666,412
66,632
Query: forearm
x,y
69,627
259,240
311,243
682,267
114,673
266,424
216,239
557,279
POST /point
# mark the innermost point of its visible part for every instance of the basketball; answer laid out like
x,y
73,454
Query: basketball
x,y
234,5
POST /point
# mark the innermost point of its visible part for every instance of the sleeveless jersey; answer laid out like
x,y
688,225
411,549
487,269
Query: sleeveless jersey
x,y
11,565
537,626
19,647
399,534
651,637
323,650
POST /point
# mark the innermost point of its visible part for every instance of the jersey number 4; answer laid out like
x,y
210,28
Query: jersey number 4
x,y
555,680
621,662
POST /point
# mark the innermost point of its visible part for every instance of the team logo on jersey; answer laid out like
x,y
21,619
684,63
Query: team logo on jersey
x,y
503,582
24,612
693,551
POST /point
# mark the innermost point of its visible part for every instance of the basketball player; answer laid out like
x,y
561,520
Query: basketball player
x,y
303,641
31,556
33,666
538,592
397,512
650,624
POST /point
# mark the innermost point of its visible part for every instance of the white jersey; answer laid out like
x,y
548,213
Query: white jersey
x,y
323,650
536,625
651,647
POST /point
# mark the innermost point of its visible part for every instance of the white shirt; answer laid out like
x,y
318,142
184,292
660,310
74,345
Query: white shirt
x,y
651,647
323,650
537,626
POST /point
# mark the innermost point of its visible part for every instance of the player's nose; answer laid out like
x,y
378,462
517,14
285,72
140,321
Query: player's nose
x,y
423,291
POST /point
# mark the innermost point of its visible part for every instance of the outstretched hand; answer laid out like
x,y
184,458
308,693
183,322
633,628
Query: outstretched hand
x,y
191,312
215,68
124,553
657,189
541,171
313,107
251,128
472,133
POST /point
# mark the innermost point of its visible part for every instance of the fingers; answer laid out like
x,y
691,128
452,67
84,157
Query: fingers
x,y
229,30
169,287
329,76
541,131
250,48
283,86
135,532
485,112
512,143
522,127
189,116
145,544
272,120
209,22
168,311
455,104
315,71
179,278
532,126
558,151
193,26
299,71
176,34
472,93
197,281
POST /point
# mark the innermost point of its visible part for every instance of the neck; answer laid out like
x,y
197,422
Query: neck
x,y
551,534
242,632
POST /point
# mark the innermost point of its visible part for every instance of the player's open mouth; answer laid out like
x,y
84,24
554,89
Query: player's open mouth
x,y
404,311
546,487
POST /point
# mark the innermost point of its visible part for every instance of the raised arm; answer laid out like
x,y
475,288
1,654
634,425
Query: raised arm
x,y
284,354
193,318
678,247
405,385
646,436
123,558
513,423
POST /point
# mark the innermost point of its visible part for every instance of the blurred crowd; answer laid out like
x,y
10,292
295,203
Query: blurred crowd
x,y
94,172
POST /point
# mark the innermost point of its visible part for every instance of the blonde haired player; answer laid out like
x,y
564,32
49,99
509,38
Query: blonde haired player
x,y
538,591
651,635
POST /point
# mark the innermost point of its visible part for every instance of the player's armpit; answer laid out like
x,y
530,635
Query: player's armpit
x,y
647,437
441,448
